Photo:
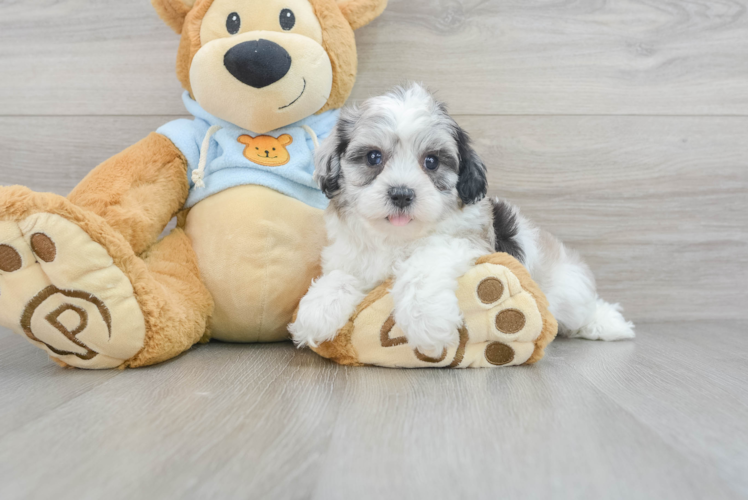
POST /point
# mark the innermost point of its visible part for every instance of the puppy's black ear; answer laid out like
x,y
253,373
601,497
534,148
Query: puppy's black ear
x,y
472,184
328,172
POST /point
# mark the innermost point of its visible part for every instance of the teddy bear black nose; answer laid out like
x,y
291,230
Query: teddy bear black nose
x,y
257,63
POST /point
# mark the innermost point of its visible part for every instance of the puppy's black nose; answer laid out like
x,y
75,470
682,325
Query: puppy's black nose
x,y
257,63
401,196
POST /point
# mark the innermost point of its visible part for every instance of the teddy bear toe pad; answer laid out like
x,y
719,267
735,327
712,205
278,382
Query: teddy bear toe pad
x,y
62,291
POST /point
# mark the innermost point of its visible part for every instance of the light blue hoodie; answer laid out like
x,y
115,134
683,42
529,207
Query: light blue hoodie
x,y
225,163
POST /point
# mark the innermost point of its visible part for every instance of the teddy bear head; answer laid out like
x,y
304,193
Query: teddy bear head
x,y
264,64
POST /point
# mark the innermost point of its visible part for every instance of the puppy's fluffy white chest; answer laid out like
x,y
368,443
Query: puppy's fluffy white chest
x,y
373,257
357,251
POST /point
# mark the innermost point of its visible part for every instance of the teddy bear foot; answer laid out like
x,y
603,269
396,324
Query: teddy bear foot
x,y
505,313
63,292
507,323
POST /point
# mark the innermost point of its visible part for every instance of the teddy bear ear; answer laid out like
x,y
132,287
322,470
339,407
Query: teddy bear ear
x,y
359,13
285,140
173,12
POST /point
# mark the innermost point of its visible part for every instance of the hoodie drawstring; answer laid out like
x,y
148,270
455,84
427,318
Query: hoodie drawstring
x,y
311,133
199,172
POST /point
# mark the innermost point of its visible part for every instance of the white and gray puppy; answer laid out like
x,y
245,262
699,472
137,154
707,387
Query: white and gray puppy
x,y
407,200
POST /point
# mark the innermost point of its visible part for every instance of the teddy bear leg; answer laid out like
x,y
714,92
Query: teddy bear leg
x,y
73,286
179,307
506,323
137,191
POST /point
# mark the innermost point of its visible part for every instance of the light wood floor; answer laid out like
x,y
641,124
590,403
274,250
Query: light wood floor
x,y
662,417
620,125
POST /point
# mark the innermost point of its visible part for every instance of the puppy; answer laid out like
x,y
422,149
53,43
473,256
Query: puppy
x,y
408,200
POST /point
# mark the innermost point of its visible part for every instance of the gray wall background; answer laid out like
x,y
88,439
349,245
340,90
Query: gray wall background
x,y
622,126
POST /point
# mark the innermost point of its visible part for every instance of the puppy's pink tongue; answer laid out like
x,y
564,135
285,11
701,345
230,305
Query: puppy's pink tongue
x,y
399,220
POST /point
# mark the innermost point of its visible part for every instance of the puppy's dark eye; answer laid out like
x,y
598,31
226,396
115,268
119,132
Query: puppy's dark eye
x,y
431,162
287,19
374,158
233,23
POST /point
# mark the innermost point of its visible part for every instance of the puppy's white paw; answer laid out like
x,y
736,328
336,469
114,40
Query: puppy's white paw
x,y
325,309
431,330
316,324
434,355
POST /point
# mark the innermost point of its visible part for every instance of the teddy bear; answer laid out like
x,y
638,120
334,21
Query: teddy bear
x,y
86,277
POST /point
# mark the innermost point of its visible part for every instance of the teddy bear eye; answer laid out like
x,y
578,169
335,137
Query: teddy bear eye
x,y
287,19
233,23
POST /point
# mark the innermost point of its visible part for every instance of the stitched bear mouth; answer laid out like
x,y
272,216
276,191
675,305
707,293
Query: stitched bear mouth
x,y
302,93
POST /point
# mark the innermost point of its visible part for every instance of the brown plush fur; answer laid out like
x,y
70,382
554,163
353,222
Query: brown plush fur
x,y
190,42
340,348
137,191
172,12
359,13
174,301
179,305
340,44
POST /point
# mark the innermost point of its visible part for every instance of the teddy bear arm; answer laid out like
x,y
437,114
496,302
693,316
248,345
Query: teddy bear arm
x,y
138,190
